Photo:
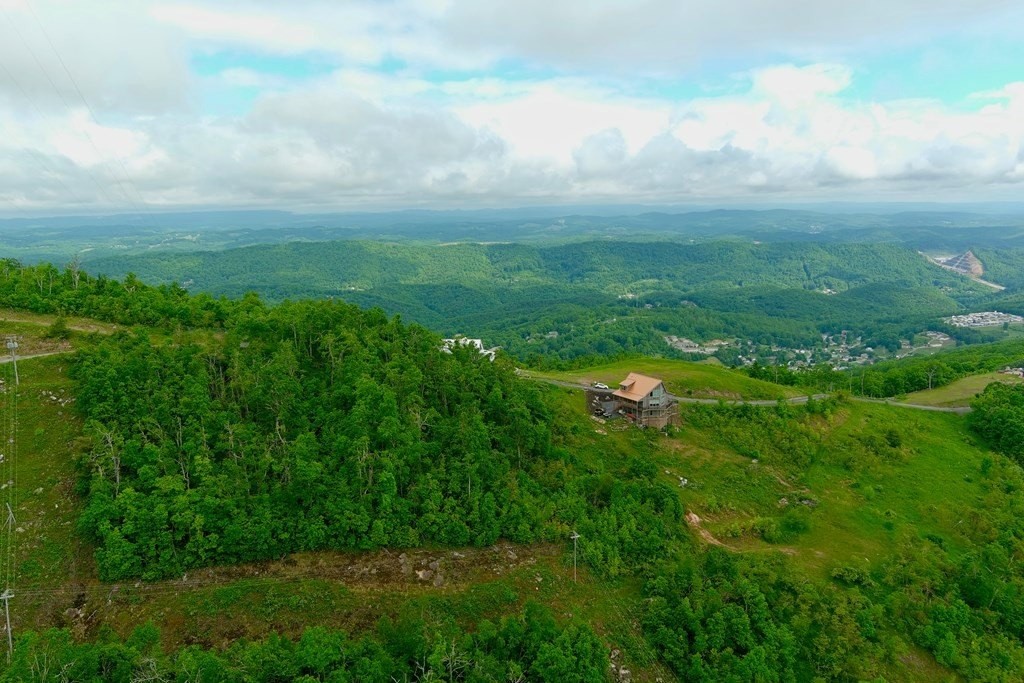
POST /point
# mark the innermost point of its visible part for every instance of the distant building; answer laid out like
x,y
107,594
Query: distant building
x,y
645,400
984,319
478,344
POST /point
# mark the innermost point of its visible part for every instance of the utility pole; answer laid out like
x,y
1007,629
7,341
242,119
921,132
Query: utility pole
x,y
575,536
6,597
12,346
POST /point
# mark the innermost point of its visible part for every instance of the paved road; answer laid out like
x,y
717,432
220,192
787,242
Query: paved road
x,y
963,410
761,402
7,358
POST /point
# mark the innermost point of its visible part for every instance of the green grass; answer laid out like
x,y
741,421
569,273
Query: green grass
x,y
683,378
863,508
48,559
863,517
960,392
39,321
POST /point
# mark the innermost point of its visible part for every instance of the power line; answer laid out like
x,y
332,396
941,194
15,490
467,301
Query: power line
x,y
81,97
10,460
60,93
36,155
31,102
82,129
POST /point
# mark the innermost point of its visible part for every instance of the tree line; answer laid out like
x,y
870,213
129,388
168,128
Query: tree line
x,y
528,646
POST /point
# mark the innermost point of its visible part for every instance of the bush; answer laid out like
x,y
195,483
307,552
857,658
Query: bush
x,y
58,329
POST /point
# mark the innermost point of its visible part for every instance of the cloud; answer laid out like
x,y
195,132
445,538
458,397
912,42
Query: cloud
x,y
325,144
794,85
667,36
120,61
451,102
547,120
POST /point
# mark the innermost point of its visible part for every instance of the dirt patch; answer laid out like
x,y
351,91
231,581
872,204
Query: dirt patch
x,y
382,568
707,392
786,484
695,521
85,605
29,347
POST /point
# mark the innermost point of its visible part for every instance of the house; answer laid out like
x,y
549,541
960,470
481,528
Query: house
x,y
645,400
478,344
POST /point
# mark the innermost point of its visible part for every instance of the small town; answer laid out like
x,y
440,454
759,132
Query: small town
x,y
984,319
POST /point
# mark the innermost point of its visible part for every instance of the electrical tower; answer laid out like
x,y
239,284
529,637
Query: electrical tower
x,y
12,346
575,537
9,460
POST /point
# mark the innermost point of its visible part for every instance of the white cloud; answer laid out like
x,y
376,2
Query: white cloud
x,y
120,60
263,29
548,120
330,143
668,36
406,135
793,85
854,163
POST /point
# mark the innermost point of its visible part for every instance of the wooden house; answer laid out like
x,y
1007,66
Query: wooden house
x,y
645,400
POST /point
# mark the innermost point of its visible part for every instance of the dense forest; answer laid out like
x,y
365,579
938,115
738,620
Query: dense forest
x,y
566,304
551,306
998,415
316,425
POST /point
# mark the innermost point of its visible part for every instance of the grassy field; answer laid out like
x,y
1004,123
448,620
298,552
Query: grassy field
x,y
859,516
37,321
960,392
40,478
683,378
860,513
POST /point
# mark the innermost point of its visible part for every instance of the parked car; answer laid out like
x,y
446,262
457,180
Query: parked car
x,y
599,385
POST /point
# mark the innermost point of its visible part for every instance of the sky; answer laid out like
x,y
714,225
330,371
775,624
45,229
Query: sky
x,y
132,105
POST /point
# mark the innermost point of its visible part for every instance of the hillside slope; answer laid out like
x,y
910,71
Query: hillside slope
x,y
865,489
600,297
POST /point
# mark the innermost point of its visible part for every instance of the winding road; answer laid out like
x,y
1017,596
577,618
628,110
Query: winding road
x,y
796,400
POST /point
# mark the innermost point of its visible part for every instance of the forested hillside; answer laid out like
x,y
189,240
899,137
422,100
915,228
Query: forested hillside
x,y
611,267
807,541
59,238
598,298
308,427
